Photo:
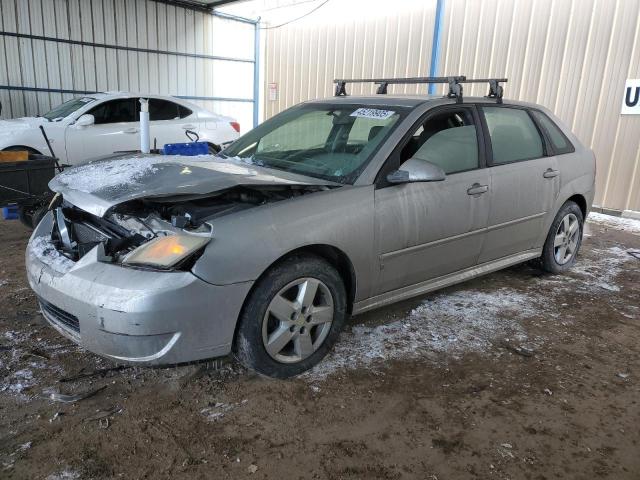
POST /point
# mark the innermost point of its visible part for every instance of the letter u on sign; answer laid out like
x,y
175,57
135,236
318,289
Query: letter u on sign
x,y
631,97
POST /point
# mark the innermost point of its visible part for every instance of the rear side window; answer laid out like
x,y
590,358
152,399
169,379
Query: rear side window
x,y
560,143
514,136
183,111
162,110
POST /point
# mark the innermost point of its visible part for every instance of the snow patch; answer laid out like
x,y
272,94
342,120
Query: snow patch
x,y
630,225
46,252
217,412
599,274
474,320
64,475
453,323
109,174
17,382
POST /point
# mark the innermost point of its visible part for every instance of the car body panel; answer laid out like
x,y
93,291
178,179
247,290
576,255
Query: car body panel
x,y
520,199
426,230
98,186
258,237
137,316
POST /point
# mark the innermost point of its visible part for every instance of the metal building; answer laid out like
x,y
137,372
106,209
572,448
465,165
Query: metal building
x,y
572,56
52,50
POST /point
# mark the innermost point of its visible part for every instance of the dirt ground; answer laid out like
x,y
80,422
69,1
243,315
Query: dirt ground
x,y
514,375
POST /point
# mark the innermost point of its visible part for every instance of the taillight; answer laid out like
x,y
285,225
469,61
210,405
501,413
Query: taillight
x,y
235,126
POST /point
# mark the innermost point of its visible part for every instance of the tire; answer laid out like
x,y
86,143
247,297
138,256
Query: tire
x,y
25,214
301,340
38,214
30,216
553,260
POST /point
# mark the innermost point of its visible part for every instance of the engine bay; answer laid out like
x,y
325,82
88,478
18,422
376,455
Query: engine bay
x,y
131,224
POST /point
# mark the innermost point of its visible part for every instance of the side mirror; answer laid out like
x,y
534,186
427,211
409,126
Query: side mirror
x,y
414,170
85,120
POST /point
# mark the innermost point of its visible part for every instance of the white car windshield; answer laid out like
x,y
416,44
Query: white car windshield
x,y
333,142
67,108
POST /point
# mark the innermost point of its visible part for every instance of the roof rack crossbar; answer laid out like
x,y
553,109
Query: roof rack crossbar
x,y
454,82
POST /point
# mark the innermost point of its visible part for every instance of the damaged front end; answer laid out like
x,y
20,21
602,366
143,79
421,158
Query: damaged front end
x,y
160,233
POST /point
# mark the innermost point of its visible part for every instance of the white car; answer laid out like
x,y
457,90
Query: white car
x,y
95,125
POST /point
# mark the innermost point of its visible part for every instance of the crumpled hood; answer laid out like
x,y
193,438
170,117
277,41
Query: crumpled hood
x,y
17,125
98,186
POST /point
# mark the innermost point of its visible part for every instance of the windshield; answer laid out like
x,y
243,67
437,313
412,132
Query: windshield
x,y
67,108
332,142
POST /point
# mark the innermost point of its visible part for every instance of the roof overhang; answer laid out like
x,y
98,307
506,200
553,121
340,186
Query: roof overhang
x,y
198,5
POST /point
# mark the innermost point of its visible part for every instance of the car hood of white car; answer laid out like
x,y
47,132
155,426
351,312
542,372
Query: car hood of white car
x,y
18,125
98,186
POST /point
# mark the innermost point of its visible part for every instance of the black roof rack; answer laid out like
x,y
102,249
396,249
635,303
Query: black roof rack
x,y
455,84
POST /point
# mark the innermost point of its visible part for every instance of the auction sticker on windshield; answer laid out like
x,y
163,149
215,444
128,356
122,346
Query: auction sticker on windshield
x,y
372,113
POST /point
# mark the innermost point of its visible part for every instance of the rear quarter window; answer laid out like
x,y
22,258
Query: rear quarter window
x,y
559,141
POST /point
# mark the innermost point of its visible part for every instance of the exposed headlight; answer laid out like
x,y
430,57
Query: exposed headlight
x,y
165,252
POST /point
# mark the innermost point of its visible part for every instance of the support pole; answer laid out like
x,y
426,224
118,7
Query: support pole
x,y
256,73
435,46
144,126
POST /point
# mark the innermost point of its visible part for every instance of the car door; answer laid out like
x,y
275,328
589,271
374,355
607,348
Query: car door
x,y
169,122
428,230
115,129
524,179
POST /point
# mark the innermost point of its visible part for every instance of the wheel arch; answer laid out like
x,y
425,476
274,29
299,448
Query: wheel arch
x,y
21,147
581,202
333,255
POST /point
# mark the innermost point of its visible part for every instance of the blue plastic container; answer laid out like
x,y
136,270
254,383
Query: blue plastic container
x,y
187,149
10,212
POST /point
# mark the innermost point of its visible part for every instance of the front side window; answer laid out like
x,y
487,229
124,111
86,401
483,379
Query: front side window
x,y
448,140
115,111
67,108
514,136
334,142
558,140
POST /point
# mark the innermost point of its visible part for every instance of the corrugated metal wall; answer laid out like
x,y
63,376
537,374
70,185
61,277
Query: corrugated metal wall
x,y
303,58
572,56
137,24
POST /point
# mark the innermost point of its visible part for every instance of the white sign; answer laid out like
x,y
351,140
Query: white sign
x,y
273,92
631,100
372,113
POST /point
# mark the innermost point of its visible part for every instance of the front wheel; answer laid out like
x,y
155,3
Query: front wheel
x,y
292,318
563,240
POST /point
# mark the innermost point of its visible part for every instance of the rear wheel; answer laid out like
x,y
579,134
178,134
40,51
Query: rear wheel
x,y
563,240
292,318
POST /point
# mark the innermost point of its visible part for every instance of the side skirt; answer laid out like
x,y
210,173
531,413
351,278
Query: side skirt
x,y
441,282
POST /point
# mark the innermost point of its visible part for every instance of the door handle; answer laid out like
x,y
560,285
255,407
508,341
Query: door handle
x,y
131,130
189,127
477,189
551,173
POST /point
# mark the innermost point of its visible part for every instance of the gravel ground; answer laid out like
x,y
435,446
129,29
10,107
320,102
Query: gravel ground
x,y
514,375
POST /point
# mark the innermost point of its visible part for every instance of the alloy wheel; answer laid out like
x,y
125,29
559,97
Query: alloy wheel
x,y
567,237
298,320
